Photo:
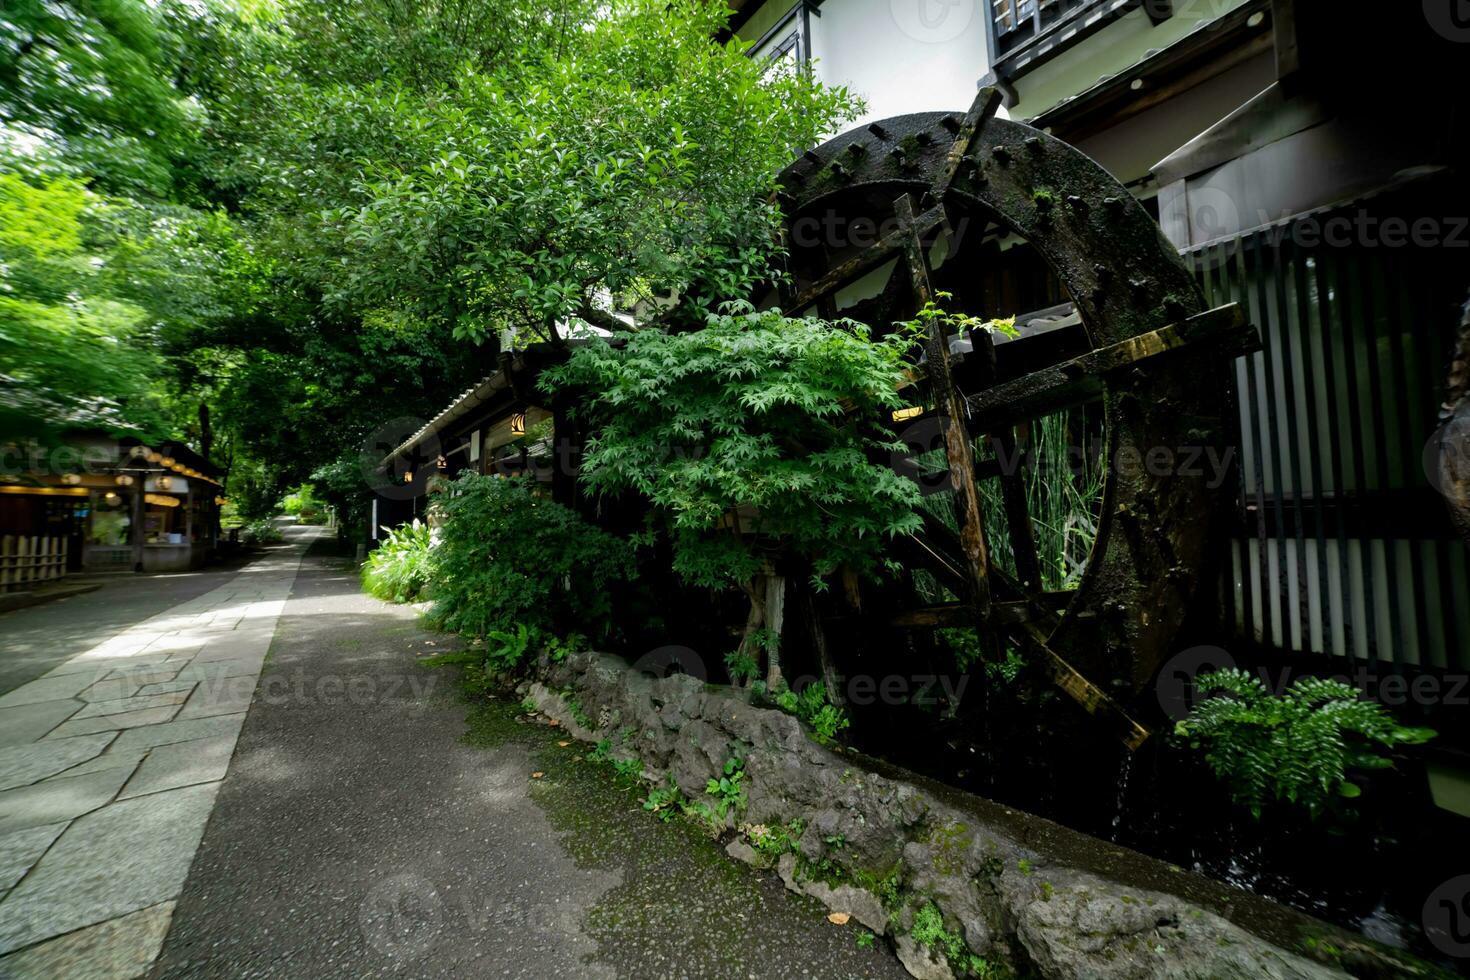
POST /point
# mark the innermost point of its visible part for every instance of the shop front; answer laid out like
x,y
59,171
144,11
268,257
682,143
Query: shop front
x,y
115,505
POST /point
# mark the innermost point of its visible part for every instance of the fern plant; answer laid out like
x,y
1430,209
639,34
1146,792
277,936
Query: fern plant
x,y
1298,747
401,568
812,707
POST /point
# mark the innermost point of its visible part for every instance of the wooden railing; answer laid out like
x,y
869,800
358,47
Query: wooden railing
x,y
26,561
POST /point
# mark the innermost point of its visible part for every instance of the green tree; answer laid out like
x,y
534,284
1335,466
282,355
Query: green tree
x,y
617,157
754,440
75,353
87,91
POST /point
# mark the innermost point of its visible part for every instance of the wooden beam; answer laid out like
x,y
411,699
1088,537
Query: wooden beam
x,y
1053,388
956,436
987,100
959,614
1093,699
867,260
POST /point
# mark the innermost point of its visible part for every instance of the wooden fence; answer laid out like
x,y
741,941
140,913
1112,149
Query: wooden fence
x,y
1342,548
26,561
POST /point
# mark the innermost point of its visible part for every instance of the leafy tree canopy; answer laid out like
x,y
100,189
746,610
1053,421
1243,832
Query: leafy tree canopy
x,y
758,425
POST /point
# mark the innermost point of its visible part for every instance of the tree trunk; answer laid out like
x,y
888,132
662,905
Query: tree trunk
x,y
775,618
754,619
811,611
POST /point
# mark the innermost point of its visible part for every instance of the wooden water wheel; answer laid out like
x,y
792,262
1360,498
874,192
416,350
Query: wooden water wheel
x,y
1143,347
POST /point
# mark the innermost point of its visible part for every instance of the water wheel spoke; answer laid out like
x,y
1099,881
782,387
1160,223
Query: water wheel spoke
x,y
1084,378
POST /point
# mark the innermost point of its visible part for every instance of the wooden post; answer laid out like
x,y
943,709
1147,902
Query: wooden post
x,y
137,528
951,410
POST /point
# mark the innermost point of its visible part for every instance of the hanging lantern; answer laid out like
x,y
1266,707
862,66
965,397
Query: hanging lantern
x,y
124,480
71,479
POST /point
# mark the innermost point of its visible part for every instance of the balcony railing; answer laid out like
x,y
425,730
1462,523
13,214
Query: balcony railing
x,y
1030,30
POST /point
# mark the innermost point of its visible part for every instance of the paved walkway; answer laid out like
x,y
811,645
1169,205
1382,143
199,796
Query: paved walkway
x,y
345,826
110,764
361,834
38,638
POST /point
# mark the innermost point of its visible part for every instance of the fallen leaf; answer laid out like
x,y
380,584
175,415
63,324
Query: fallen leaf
x,y
563,743
537,775
553,723
839,918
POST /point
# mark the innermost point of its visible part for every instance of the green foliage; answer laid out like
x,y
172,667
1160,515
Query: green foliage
x,y
864,939
509,558
87,90
929,932
774,840
934,314
1298,747
303,504
260,532
505,650
663,801
401,568
621,153
559,648
741,666
812,707
629,769
726,789
76,350
758,424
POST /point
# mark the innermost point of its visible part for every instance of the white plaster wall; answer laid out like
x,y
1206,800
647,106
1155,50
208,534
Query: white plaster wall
x,y
902,55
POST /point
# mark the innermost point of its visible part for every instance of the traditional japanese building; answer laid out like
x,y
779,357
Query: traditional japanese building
x,y
110,504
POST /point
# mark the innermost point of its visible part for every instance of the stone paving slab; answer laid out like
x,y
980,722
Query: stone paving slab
x,y
135,703
202,760
59,798
113,723
110,764
119,949
23,848
24,765
123,858
27,722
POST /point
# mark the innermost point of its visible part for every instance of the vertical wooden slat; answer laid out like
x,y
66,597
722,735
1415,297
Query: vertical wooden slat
x,y
1267,448
1373,288
1349,309
1284,312
1308,331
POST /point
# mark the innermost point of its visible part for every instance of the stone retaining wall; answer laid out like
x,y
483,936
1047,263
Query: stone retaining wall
x,y
883,847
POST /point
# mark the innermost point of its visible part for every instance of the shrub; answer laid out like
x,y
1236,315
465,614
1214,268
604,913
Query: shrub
x,y
261,531
812,707
401,567
508,558
1296,747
